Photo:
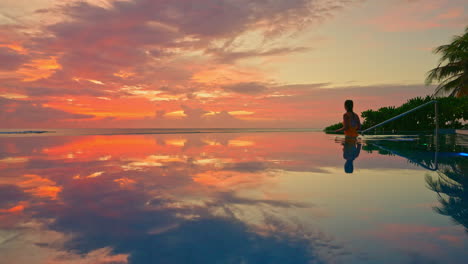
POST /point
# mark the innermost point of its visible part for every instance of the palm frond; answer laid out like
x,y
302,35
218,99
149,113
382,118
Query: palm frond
x,y
452,71
443,72
449,85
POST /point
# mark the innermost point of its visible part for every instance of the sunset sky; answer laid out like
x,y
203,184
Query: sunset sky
x,y
214,63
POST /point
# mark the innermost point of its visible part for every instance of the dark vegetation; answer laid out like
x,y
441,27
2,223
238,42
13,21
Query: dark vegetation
x,y
453,114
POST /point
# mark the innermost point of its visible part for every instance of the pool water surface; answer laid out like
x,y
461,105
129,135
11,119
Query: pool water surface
x,y
292,197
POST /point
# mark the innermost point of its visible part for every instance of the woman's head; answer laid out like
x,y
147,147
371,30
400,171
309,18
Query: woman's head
x,y
349,166
348,105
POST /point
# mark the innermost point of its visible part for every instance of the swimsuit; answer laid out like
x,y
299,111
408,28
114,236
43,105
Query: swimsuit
x,y
353,126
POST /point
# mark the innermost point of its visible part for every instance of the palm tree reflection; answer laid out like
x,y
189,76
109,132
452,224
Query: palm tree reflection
x,y
451,182
452,189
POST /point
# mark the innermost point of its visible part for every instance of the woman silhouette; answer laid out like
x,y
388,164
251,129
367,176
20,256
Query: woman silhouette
x,y
351,121
351,126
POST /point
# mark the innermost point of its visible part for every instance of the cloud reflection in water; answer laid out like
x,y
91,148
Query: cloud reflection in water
x,y
141,197
266,198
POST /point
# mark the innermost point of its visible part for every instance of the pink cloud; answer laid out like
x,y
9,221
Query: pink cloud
x,y
20,113
452,13
10,59
420,15
97,42
149,39
419,238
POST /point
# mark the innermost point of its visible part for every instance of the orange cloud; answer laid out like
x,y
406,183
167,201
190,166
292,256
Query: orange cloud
x,y
104,147
40,186
16,47
39,69
15,209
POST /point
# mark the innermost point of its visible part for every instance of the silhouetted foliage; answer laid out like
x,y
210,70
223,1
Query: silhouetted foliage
x,y
452,115
452,71
452,111
332,128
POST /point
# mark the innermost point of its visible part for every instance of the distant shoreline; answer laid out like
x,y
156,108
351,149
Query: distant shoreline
x,y
24,132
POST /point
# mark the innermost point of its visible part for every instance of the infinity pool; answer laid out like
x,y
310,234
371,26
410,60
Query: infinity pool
x,y
291,197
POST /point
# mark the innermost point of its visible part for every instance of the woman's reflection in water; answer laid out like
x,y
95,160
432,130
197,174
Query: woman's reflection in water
x,y
351,150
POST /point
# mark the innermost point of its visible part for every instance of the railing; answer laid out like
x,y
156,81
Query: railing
x,y
436,136
408,112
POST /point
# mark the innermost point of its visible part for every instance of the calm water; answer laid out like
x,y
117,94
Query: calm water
x,y
296,197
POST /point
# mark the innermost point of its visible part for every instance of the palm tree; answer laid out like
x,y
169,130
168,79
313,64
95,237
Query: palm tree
x,y
453,75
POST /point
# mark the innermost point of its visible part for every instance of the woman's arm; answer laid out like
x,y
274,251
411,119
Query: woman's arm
x,y
359,122
345,123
